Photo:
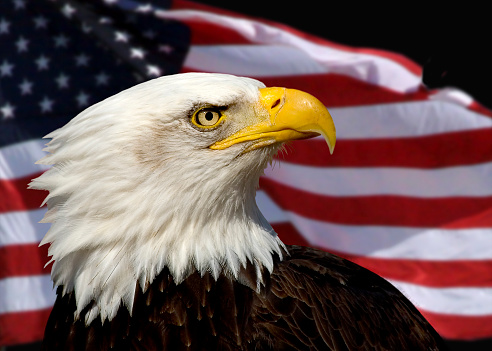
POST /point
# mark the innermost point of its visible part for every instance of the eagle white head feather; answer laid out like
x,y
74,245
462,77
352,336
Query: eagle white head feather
x,y
164,174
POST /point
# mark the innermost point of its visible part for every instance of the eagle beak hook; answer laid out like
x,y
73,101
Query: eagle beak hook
x,y
299,111
292,114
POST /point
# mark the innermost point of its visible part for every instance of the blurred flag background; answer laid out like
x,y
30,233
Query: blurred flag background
x,y
407,193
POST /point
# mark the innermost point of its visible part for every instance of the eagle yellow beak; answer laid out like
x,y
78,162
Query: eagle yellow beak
x,y
293,114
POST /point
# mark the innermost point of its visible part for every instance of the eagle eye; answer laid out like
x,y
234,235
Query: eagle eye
x,y
207,117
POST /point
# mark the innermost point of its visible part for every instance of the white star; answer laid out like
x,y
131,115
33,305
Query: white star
x,y
19,4
7,111
46,105
40,22
82,60
42,62
82,99
68,10
6,69
61,40
22,44
153,71
121,36
110,2
4,26
102,79
25,87
167,49
137,53
62,81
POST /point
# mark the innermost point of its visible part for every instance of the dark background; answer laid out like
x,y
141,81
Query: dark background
x,y
451,40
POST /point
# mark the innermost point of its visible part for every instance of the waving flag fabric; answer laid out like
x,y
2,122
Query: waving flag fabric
x,y
407,192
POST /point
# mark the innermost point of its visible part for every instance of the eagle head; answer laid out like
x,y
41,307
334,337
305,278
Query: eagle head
x,y
164,174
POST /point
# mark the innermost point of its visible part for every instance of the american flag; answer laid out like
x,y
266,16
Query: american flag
x,y
406,194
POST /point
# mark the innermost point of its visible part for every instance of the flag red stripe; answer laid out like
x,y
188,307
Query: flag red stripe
x,y
203,33
472,273
19,197
460,327
435,151
450,213
462,273
23,260
23,327
336,90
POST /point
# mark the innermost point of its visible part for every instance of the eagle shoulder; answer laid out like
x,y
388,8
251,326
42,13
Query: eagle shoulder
x,y
320,301
311,300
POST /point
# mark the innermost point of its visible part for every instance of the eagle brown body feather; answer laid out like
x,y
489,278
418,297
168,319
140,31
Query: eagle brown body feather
x,y
311,301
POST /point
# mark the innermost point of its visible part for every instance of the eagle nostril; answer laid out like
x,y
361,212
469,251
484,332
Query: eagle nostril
x,y
275,103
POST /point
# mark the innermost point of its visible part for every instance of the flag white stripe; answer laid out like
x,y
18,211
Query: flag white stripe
x,y
468,181
385,241
405,119
456,300
291,59
397,242
251,60
19,228
370,68
272,212
17,160
26,293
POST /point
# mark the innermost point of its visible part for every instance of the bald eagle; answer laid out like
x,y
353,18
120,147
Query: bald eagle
x,y
157,242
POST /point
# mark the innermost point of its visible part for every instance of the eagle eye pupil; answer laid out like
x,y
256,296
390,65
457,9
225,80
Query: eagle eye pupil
x,y
207,118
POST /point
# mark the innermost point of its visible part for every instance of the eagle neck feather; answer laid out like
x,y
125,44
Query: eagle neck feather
x,y
103,252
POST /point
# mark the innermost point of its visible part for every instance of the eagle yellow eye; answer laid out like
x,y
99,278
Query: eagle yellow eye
x,y
207,118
